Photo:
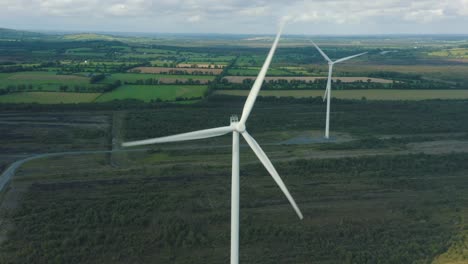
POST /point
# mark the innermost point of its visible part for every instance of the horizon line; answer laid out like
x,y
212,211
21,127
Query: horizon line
x,y
110,32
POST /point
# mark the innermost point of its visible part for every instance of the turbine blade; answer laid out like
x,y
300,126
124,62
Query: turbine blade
x,y
249,103
271,169
350,57
321,52
201,134
325,94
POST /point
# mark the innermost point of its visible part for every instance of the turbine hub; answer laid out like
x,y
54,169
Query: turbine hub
x,y
240,128
236,125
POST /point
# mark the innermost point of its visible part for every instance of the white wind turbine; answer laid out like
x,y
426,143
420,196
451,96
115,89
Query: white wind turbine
x,y
236,127
327,94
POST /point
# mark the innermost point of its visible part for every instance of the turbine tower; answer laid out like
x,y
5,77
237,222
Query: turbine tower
x,y
236,127
327,94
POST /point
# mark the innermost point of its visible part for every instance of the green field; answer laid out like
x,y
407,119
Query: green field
x,y
144,56
88,37
253,71
256,60
213,59
41,80
449,73
163,63
49,97
133,77
154,51
153,92
360,94
461,53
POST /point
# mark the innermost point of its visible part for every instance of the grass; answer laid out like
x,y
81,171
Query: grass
x,y
155,51
165,70
243,61
143,56
88,36
453,53
359,94
133,77
48,97
253,71
41,80
153,92
451,73
161,63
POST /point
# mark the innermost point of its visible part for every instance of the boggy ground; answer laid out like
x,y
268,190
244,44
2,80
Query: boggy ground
x,y
393,191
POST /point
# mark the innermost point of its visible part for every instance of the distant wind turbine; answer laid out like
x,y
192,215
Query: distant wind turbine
x,y
327,94
236,127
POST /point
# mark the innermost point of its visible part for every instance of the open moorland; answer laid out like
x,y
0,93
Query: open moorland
x,y
389,187
393,169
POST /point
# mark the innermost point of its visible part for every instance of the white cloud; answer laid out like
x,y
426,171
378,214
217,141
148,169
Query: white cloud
x,y
354,11
130,8
255,11
193,19
118,9
66,7
203,15
424,16
12,5
462,7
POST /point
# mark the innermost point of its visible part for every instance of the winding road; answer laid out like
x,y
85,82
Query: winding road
x,y
6,176
430,147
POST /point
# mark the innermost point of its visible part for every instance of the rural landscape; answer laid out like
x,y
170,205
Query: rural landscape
x,y
389,186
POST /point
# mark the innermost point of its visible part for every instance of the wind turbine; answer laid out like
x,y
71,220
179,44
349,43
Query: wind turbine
x,y
327,94
236,127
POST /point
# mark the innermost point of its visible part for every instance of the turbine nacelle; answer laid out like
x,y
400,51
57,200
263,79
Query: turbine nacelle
x,y
236,125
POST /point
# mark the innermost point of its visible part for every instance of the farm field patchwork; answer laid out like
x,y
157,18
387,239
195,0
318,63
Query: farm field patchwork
x,y
154,92
360,94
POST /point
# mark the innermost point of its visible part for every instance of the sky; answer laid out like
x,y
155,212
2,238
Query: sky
x,y
333,17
